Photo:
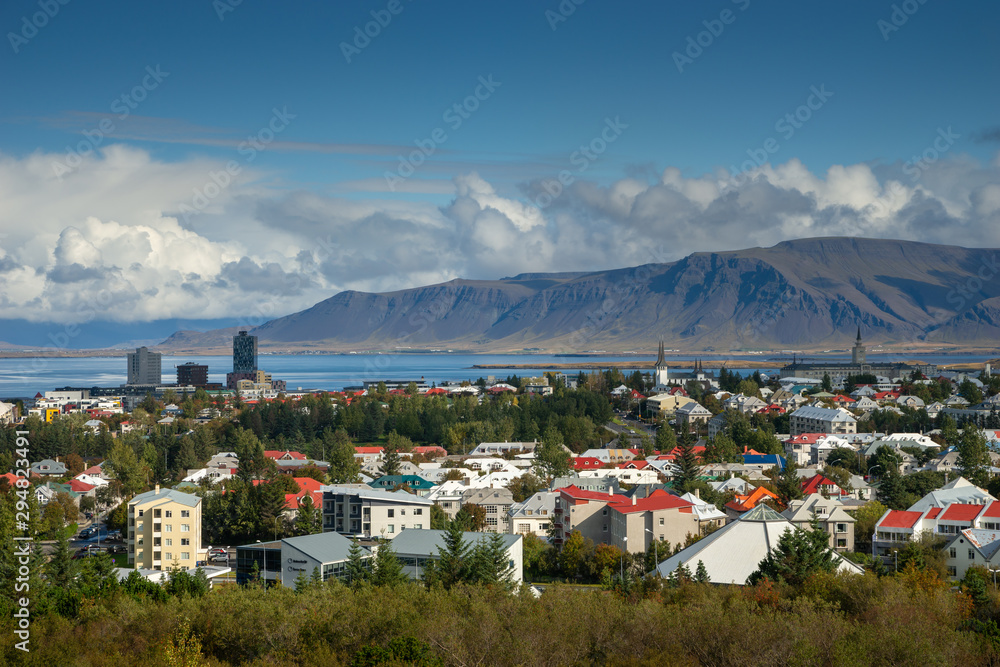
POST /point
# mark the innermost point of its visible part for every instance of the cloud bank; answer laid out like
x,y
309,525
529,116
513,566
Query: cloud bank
x,y
116,239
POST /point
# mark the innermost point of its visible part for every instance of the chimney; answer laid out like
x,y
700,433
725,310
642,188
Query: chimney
x,y
697,493
156,489
633,499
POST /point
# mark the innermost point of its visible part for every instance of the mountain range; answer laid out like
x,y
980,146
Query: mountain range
x,y
802,294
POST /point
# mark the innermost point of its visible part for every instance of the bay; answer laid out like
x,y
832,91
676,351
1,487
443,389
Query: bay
x,y
24,377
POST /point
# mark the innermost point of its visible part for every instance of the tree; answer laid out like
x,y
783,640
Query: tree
x,y
701,574
125,466
471,517
789,486
345,467
646,445
722,449
574,553
551,458
524,487
356,569
390,460
686,462
439,519
491,566
798,555
665,439
387,570
974,456
308,518
891,491
452,565
865,519
827,383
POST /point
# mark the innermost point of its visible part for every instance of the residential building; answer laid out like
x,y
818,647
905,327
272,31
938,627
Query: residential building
x,y
8,413
690,415
742,504
585,511
534,515
415,483
831,514
732,553
283,561
144,367
822,485
365,512
664,404
415,548
164,529
709,516
958,490
809,419
661,516
896,527
244,353
53,468
496,503
970,547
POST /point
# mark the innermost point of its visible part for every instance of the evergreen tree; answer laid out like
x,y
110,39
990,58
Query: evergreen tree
x,y
827,383
390,459
789,486
646,445
301,582
974,456
60,569
316,578
490,564
688,468
551,458
387,570
308,518
356,570
452,566
701,574
891,491
665,439
798,554
345,467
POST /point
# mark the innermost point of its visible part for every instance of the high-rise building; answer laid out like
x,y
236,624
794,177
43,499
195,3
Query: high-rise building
x,y
144,367
192,375
244,353
164,530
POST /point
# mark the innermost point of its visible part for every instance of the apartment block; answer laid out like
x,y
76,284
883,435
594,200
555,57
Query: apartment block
x,y
164,529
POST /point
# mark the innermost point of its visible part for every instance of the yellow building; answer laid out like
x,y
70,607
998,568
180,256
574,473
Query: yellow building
x,y
666,404
164,529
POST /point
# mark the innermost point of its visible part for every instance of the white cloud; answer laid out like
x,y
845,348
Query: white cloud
x,y
107,239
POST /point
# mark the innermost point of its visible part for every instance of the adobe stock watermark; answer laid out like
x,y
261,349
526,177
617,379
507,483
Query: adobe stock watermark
x,y
696,44
566,8
122,106
581,158
363,35
218,181
454,116
988,270
31,25
900,14
22,543
786,126
915,168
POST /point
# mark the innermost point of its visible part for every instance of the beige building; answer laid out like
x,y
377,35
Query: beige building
x,y
831,514
811,419
661,516
164,529
666,404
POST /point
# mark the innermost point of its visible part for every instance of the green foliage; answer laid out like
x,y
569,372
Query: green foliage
x,y
386,569
345,467
974,456
798,555
357,565
551,459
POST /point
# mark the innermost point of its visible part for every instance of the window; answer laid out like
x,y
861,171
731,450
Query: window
x,y
419,511
491,521
605,512
402,511
185,542
392,513
951,553
169,528
185,514
392,528
418,526
169,556
140,512
168,514
972,555
841,527
605,528
661,520
185,528
951,571
185,555
168,542
156,514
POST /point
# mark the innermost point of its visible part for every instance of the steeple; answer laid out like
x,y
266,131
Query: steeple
x,y
859,333
661,362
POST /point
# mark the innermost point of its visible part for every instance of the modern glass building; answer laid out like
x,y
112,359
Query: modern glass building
x,y
244,353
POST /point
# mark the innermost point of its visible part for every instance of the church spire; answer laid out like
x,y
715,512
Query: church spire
x,y
859,333
661,361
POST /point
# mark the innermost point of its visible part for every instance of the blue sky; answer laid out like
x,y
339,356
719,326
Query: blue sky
x,y
102,201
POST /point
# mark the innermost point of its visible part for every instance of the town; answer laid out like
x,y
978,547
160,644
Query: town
x,y
630,484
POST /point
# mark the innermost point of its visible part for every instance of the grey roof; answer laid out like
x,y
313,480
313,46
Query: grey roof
x,y
428,542
376,494
166,494
49,466
732,553
824,414
488,496
986,541
324,547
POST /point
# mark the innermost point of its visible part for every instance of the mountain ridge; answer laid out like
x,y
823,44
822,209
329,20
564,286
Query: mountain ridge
x,y
798,293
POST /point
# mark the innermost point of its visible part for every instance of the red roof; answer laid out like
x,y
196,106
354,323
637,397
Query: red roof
x,y
900,519
576,493
278,454
292,500
933,512
813,484
434,391
430,449
840,398
992,510
587,463
368,450
80,487
805,439
961,512
633,465
657,500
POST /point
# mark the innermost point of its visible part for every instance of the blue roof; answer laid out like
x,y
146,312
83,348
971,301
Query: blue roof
x,y
767,459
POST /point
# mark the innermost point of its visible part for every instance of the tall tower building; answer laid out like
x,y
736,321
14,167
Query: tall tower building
x,y
660,372
859,351
143,367
244,353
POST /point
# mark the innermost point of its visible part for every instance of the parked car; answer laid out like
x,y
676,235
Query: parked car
x,y
219,558
217,551
89,551
115,535
86,533
117,549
